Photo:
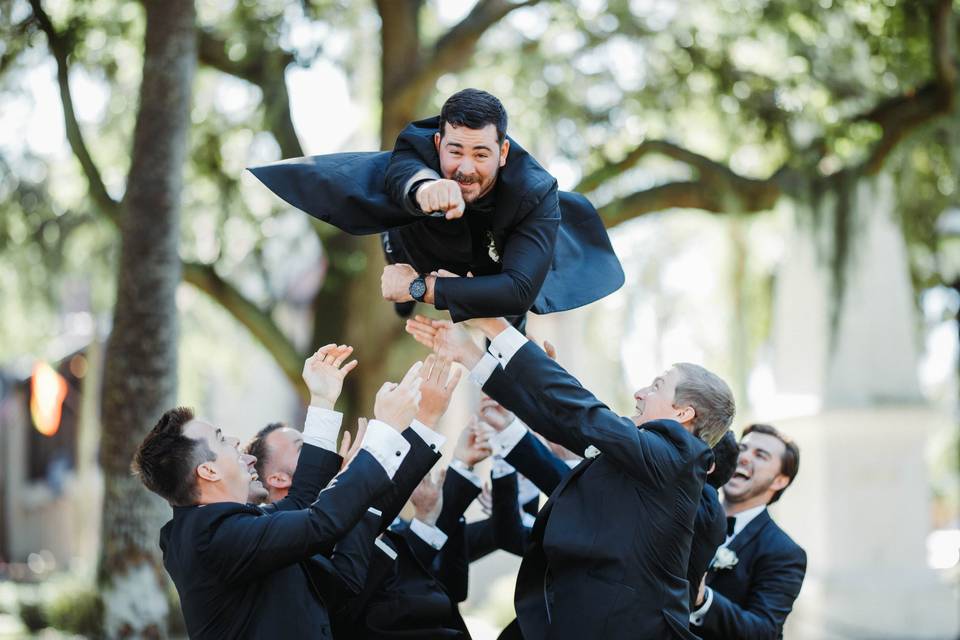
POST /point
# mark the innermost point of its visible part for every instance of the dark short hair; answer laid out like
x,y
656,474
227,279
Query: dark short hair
x,y
257,447
725,455
474,109
166,460
711,399
789,462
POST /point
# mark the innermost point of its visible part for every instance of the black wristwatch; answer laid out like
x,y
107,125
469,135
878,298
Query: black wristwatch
x,y
418,288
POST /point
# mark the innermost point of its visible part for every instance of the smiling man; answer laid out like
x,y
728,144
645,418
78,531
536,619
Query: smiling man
x,y
609,550
237,566
751,591
458,196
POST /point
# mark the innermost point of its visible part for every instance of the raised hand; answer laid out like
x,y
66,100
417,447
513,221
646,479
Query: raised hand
x,y
323,374
473,445
445,339
350,446
427,498
441,195
494,414
436,389
397,404
489,327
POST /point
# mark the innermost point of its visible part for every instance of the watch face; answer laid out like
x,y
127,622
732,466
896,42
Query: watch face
x,y
417,289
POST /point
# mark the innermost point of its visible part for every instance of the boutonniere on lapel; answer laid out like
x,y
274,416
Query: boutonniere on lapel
x,y
492,247
591,452
724,559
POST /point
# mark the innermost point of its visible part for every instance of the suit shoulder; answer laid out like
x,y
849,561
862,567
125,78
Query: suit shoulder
x,y
784,544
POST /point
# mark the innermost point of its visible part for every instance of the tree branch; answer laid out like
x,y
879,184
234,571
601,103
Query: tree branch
x,y
266,70
257,322
59,48
453,50
900,115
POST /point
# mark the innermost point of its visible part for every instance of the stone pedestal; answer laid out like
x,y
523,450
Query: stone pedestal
x,y
861,503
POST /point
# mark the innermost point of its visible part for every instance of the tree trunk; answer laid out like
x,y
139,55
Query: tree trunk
x,y
141,356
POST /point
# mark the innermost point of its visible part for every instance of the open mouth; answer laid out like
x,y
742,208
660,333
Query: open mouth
x,y
741,474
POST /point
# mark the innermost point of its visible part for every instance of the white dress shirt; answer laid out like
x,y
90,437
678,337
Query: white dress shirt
x,y
742,519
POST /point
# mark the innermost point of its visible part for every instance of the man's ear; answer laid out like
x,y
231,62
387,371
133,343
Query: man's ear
x,y
685,414
436,141
208,471
279,480
504,150
780,482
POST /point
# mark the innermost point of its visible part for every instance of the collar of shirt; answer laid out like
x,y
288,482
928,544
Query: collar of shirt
x,y
743,519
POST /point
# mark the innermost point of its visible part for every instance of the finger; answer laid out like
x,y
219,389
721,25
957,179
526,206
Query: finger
x,y
342,355
454,378
350,366
443,273
469,274
412,372
429,364
344,445
361,432
387,387
550,349
441,370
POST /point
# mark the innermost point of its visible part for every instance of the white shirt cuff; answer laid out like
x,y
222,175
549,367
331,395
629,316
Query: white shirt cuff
x,y
322,427
460,467
482,371
433,439
504,441
386,445
431,535
696,617
500,468
527,519
385,548
506,345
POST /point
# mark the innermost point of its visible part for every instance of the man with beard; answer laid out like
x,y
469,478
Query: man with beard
x,y
458,196
758,571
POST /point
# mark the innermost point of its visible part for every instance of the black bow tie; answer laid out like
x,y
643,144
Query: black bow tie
x,y
731,523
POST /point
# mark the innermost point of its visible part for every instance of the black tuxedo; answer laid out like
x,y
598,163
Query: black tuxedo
x,y
554,251
533,459
239,570
753,599
709,532
413,595
609,551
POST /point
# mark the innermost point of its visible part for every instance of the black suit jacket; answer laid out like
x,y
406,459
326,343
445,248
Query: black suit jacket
x,y
556,254
609,551
753,599
238,569
408,596
709,532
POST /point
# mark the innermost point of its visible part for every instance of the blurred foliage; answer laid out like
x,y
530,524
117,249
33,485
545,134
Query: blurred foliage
x,y
751,84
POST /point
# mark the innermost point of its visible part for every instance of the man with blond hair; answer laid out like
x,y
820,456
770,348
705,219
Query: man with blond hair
x,y
610,549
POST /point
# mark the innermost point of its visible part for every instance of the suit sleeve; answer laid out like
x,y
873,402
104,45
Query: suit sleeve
x,y
408,164
315,469
452,566
771,597
420,459
552,402
480,539
243,547
527,256
534,460
510,534
458,493
343,574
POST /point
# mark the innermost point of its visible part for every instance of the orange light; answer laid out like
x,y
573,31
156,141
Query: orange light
x,y
47,392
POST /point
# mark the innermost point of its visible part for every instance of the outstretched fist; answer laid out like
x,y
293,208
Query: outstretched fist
x,y
441,196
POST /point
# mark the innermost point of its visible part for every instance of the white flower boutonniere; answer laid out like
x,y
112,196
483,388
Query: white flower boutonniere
x,y
724,559
492,248
591,452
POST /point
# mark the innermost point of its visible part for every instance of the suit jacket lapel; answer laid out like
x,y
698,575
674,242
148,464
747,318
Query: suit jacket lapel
x,y
541,521
749,532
